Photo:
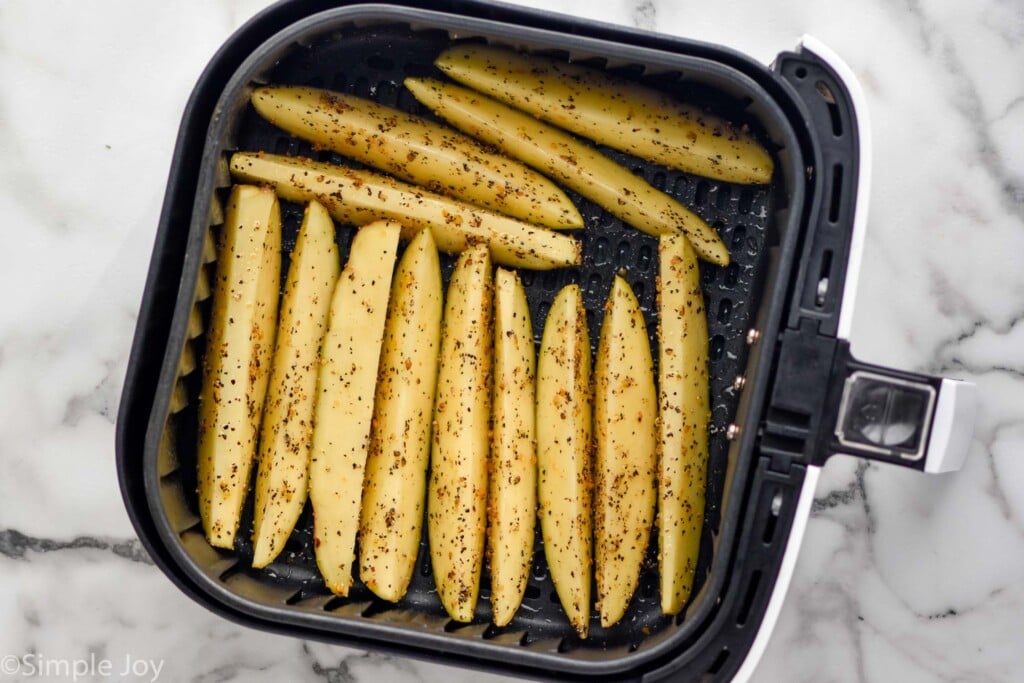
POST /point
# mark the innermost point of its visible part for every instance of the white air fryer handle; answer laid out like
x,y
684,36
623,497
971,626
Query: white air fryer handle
x,y
953,422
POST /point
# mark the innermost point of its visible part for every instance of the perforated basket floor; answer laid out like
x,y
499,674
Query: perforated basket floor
x,y
372,62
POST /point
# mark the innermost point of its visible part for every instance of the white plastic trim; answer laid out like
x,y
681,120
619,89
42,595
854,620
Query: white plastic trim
x,y
771,614
860,210
952,427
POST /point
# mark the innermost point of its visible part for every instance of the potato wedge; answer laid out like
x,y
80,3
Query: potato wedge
x,y
417,150
457,493
396,468
281,480
349,358
625,452
236,365
612,111
360,197
685,413
564,483
571,162
512,494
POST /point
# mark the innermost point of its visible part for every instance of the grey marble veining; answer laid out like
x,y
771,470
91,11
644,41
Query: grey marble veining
x,y
902,577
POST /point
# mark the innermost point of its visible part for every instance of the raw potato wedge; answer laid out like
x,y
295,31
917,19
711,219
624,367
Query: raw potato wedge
x,y
625,453
685,409
236,365
417,150
612,111
512,497
281,481
396,469
571,162
349,359
360,197
564,484
457,495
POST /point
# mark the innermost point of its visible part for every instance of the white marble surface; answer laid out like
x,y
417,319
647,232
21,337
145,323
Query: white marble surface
x,y
902,577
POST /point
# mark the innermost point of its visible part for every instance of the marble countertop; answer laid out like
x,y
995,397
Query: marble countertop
x,y
902,577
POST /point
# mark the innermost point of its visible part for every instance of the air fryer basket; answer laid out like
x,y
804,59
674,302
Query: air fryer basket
x,y
368,50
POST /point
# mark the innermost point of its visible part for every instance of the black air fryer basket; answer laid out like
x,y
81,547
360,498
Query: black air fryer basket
x,y
786,392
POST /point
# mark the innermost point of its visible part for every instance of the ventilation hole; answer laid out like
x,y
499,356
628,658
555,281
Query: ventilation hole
x,y
379,62
550,280
531,593
333,604
553,597
425,568
701,196
638,291
716,347
361,88
601,251
719,662
540,569
406,102
732,274
623,254
824,274
648,588
594,284
724,310
659,180
680,186
526,276
638,170
643,259
387,93
800,72
772,522
739,235
836,200
746,200
833,108
748,599
707,276
722,200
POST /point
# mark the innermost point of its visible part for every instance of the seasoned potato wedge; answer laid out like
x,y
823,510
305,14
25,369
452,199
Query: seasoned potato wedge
x,y
288,414
360,197
573,163
236,365
564,484
457,494
349,359
625,453
396,469
417,150
512,494
685,412
612,111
